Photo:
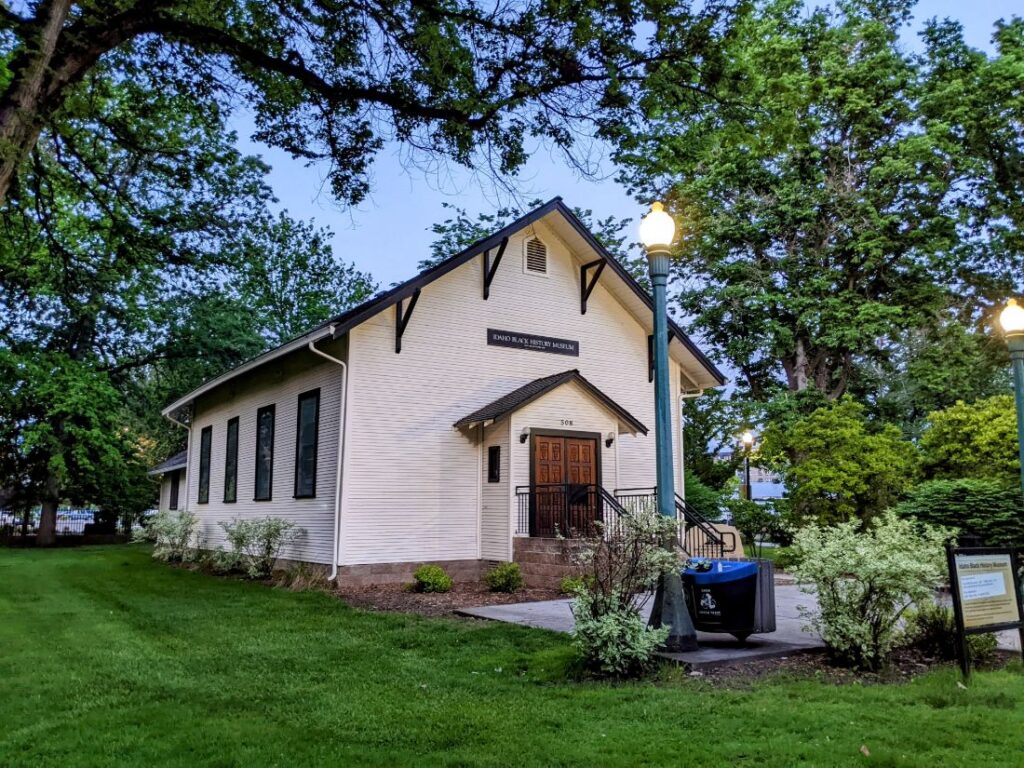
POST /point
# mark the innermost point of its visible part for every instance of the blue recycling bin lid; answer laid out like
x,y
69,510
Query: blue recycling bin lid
x,y
722,571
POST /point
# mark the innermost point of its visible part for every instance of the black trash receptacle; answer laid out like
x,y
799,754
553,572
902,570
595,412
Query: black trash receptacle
x,y
736,597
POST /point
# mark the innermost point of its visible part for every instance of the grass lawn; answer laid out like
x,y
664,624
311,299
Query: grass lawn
x,y
108,658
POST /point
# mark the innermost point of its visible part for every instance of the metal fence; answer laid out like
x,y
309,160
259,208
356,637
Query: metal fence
x,y
71,521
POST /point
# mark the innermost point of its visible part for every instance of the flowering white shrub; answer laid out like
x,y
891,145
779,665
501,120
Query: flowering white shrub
x,y
256,543
171,534
616,575
865,581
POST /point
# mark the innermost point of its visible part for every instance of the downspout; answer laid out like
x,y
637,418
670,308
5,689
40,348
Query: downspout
x,y
685,395
342,422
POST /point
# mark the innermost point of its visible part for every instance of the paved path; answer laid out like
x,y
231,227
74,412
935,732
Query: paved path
x,y
788,639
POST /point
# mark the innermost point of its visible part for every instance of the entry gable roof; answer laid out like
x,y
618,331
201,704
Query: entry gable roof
x,y
177,461
527,393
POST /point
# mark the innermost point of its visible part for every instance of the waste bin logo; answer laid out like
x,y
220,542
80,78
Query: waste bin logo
x,y
707,602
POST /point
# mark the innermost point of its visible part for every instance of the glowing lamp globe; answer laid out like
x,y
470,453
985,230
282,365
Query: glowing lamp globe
x,y
657,229
747,438
1012,318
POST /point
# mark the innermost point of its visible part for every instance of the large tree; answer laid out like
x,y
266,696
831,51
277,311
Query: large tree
x,y
334,80
838,194
136,219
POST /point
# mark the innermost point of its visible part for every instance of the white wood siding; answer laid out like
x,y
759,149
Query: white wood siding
x,y
279,384
411,488
495,518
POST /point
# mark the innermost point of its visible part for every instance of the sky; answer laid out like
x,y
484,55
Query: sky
x,y
390,232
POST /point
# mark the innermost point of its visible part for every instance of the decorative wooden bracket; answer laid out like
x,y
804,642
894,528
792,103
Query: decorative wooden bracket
x,y
491,268
650,353
587,288
402,316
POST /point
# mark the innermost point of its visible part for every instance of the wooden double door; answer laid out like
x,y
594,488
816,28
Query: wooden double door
x,y
565,495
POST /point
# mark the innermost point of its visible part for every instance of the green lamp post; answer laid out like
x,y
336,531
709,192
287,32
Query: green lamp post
x,y
1012,320
747,439
657,231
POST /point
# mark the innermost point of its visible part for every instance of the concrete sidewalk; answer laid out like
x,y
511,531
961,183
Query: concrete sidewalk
x,y
715,649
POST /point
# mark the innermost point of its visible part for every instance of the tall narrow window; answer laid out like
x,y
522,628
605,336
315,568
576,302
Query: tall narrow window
x,y
264,453
205,438
231,462
306,429
494,464
172,502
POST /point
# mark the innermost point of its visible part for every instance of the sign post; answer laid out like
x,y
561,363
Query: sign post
x,y
986,594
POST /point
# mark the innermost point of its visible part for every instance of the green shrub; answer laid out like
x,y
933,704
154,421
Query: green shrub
x,y
256,543
570,585
986,508
171,534
976,439
866,580
504,577
705,499
931,629
616,575
431,578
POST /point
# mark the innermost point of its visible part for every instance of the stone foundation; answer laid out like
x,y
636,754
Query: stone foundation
x,y
401,573
543,562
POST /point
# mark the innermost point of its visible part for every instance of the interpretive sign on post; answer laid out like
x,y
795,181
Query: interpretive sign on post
x,y
986,595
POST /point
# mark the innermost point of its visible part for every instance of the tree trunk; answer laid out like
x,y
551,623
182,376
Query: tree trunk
x,y
21,115
47,536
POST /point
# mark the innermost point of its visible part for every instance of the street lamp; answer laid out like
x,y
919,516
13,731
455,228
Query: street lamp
x,y
1012,320
657,230
747,438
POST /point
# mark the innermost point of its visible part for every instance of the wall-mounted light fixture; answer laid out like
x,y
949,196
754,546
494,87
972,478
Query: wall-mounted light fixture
x,y
609,439
524,435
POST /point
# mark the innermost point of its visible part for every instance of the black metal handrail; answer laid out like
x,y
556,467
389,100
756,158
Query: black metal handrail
x,y
698,535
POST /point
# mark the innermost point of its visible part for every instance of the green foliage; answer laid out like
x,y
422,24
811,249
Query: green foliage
x,y
257,543
865,580
705,500
461,81
972,440
172,535
504,577
837,465
616,572
988,509
757,523
570,585
432,578
931,629
711,424
838,192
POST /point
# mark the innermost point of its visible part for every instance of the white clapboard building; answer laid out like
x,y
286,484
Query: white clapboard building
x,y
499,398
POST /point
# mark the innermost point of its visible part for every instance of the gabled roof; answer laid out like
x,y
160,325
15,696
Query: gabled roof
x,y
529,392
177,461
341,324
353,317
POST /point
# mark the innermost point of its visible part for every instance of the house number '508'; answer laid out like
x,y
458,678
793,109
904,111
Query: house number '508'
x,y
566,422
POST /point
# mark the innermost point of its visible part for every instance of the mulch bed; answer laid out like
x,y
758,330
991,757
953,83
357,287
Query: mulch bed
x,y
905,665
398,597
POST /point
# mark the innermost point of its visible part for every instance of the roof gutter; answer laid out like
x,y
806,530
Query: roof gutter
x,y
286,348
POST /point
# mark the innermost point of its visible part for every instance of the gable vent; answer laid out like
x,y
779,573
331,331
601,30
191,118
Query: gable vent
x,y
536,256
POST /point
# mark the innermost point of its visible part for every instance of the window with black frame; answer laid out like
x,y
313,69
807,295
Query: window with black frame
x,y
231,462
306,439
205,440
264,453
172,501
